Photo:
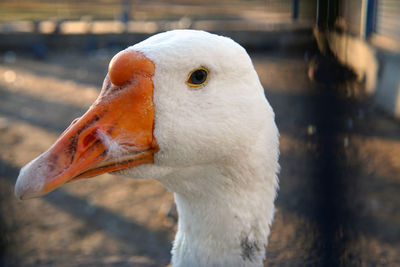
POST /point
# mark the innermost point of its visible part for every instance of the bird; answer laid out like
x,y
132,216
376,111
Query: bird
x,y
187,108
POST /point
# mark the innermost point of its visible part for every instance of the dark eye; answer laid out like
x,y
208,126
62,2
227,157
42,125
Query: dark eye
x,y
197,77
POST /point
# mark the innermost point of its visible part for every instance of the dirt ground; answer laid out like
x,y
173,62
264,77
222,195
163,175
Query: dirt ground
x,y
339,183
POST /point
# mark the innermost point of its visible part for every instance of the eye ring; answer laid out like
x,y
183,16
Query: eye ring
x,y
197,77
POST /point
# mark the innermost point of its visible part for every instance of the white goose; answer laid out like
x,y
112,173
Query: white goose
x,y
186,108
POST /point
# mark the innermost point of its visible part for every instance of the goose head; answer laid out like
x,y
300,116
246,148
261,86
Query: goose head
x,y
187,108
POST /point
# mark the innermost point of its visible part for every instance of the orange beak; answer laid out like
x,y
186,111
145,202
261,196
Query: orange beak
x,y
114,134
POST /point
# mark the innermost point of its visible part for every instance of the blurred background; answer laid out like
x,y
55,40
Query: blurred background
x,y
330,69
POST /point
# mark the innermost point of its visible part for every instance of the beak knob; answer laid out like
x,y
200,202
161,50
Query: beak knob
x,y
124,65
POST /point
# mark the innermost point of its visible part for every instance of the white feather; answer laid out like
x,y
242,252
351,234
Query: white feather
x,y
218,148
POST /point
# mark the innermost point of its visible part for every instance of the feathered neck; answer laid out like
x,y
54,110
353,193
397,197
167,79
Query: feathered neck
x,y
224,214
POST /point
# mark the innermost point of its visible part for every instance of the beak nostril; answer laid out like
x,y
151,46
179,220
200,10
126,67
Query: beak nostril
x,y
89,138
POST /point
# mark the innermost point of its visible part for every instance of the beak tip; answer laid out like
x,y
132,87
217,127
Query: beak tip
x,y
29,182
17,194
19,190
22,193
